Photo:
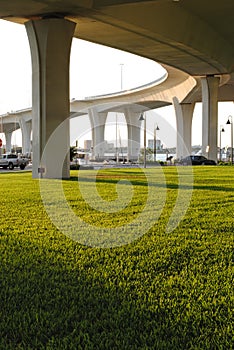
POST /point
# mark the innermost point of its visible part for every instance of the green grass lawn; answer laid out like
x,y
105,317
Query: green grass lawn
x,y
164,290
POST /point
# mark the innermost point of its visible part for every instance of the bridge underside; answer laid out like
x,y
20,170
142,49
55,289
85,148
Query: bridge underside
x,y
195,37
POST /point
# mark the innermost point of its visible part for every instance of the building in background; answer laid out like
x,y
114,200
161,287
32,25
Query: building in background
x,y
151,144
88,144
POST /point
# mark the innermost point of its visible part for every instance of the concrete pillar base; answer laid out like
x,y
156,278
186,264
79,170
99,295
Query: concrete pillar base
x,y
134,133
26,128
8,137
210,86
97,121
50,42
184,115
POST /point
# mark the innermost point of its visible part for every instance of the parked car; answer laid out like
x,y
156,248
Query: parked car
x,y
11,160
197,160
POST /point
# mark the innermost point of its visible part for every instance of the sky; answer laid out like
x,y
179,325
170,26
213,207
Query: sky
x,y
94,70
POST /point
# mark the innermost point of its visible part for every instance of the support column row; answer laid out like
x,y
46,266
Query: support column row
x,y
98,121
50,43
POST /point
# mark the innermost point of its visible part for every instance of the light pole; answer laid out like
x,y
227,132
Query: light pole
x,y
121,76
116,137
230,122
155,141
144,118
220,143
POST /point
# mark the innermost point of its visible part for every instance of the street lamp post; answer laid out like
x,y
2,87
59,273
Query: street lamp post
x,y
155,141
220,143
230,122
144,118
121,76
116,138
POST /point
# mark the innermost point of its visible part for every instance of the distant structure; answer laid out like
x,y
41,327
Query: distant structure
x,y
88,144
151,144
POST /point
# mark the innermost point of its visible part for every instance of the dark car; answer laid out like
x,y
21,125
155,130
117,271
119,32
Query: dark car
x,y
197,160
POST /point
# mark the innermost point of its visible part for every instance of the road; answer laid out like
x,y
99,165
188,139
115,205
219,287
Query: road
x,y
16,170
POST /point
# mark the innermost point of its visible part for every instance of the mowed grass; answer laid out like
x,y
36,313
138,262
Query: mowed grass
x,y
165,290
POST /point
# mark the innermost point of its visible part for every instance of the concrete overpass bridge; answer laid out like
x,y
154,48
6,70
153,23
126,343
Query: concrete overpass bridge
x,y
194,37
173,86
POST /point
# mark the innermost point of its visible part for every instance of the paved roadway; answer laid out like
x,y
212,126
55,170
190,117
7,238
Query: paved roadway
x,y
16,170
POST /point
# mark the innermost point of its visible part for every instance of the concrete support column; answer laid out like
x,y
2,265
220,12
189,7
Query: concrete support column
x,y
26,128
8,137
184,116
134,133
210,86
50,42
98,121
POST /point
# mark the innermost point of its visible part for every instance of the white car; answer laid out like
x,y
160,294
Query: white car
x,y
11,160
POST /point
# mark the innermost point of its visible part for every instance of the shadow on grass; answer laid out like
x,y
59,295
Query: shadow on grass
x,y
51,302
138,181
